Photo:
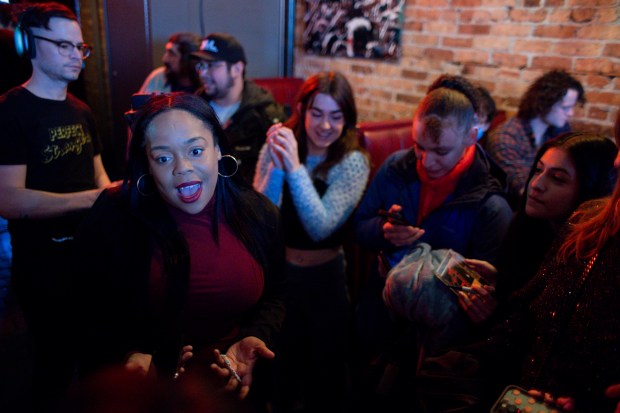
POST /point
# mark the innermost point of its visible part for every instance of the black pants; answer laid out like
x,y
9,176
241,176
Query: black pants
x,y
42,282
312,357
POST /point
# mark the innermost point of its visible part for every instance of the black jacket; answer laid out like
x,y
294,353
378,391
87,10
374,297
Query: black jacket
x,y
112,263
248,126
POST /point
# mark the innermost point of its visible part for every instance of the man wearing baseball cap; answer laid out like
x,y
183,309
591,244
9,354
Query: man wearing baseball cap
x,y
245,110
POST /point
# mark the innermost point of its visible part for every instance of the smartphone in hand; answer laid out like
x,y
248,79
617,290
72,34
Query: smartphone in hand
x,y
517,399
454,273
394,218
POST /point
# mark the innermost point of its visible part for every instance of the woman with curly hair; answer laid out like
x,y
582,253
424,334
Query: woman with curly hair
x,y
544,112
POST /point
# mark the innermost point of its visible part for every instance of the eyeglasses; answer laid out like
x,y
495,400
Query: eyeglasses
x,y
66,48
203,65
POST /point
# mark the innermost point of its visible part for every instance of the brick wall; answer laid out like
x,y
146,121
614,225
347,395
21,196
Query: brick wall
x,y
501,44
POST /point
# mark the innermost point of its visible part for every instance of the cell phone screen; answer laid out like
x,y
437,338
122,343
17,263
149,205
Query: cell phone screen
x,y
394,217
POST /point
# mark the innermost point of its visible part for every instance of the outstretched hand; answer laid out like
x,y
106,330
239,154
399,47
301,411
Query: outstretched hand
x,y
238,363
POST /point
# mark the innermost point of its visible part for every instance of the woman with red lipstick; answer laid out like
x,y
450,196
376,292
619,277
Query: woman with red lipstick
x,y
568,170
313,168
187,255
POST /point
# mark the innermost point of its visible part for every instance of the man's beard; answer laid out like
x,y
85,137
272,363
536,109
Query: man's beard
x,y
172,78
218,93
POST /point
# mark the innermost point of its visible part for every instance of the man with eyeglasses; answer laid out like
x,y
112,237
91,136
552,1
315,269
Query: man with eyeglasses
x,y
244,109
51,169
544,112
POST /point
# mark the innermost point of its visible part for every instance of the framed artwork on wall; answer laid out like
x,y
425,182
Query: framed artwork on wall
x,y
368,29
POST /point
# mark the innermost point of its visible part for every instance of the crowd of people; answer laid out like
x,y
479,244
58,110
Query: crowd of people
x,y
213,276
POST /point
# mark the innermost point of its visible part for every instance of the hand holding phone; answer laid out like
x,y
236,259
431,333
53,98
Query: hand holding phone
x,y
517,399
394,218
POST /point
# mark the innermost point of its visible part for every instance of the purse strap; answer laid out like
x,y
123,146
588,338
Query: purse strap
x,y
568,305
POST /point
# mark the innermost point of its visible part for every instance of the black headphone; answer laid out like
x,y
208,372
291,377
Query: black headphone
x,y
24,39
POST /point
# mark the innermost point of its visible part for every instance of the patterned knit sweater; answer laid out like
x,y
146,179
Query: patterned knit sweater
x,y
320,215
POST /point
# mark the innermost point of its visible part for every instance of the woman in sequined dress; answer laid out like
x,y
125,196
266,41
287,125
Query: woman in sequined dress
x,y
568,170
562,333
573,315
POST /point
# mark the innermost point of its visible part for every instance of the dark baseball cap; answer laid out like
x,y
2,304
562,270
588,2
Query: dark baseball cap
x,y
220,46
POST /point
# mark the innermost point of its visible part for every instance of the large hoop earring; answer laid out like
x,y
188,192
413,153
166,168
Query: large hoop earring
x,y
142,185
236,162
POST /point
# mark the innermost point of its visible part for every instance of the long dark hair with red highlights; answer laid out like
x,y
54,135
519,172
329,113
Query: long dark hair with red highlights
x,y
594,222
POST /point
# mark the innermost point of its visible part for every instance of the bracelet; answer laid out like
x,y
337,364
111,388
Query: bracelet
x,y
230,368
